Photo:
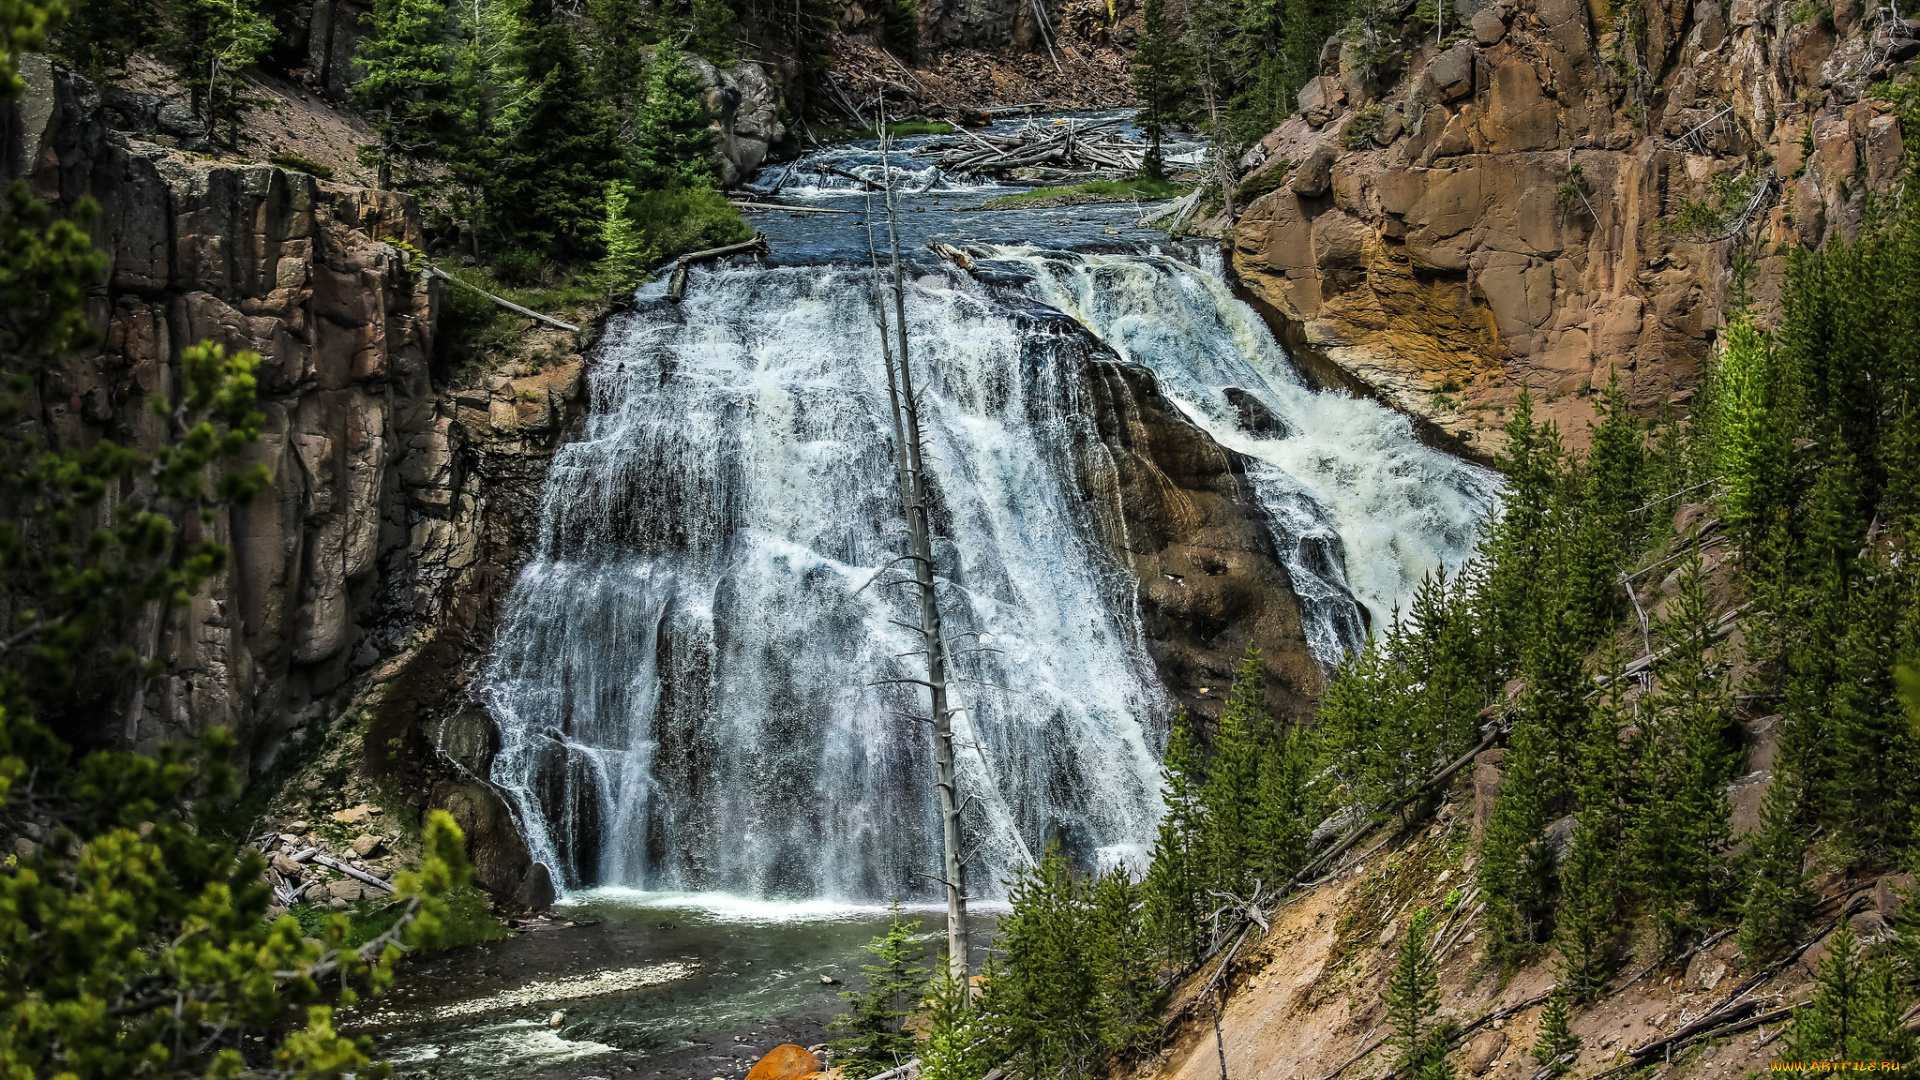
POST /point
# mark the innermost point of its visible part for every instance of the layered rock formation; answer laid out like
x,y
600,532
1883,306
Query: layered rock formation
x,y
1185,523
256,258
366,575
1557,192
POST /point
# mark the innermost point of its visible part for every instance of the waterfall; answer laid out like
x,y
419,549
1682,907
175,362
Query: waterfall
x,y
689,675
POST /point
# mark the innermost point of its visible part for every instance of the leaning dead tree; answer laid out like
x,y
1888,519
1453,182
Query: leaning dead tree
x,y
910,475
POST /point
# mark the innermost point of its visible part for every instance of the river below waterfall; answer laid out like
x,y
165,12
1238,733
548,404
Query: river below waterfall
x,y
685,672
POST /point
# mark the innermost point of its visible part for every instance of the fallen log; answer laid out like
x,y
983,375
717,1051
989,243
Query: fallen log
x,y
677,287
358,875
508,304
742,205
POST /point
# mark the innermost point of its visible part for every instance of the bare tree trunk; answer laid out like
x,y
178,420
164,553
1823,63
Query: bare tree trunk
x,y
913,494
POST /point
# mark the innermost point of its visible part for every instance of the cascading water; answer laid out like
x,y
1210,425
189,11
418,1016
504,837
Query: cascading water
x,y
690,674
686,675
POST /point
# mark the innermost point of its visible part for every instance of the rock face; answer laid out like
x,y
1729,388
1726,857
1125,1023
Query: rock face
x,y
1184,522
366,576
1508,211
743,109
253,258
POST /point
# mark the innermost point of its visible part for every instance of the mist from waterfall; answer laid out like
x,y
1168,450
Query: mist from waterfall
x,y
689,673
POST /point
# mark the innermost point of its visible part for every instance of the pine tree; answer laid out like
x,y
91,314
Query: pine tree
x,y
1590,894
1173,886
1159,81
672,146
1047,1002
1129,993
215,41
550,181
625,263
876,1038
1778,903
1856,1009
1231,794
98,36
1555,1039
713,31
961,1043
1412,999
1291,804
404,62
1680,832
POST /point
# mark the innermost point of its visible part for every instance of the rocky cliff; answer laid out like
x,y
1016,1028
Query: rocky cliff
x,y
1556,191
364,579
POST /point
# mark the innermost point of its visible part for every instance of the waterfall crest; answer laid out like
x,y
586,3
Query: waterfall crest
x,y
689,675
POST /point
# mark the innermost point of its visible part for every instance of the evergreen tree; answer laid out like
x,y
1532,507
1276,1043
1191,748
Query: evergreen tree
x,y
551,177
713,31
1679,833
1160,81
1856,1009
1231,794
215,41
404,63
1749,423
672,146
961,1041
1291,804
876,1037
625,263
98,36
619,69
1173,893
1590,894
1555,1039
1778,903
1129,993
1047,1002
1412,1000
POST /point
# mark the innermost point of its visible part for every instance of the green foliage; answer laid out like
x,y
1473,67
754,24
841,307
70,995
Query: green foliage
x,y
1555,1039
1709,217
624,264
672,146
300,164
876,1037
1413,999
1856,1009
1360,130
215,40
713,33
1078,984
1161,80
405,69
98,36
960,1042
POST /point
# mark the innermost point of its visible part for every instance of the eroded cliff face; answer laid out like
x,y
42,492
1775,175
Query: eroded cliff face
x,y
251,257
365,578
1507,210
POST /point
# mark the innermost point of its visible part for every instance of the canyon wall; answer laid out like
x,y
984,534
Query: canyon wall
x,y
1555,193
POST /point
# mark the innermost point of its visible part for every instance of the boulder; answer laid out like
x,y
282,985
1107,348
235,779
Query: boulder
x,y
1313,177
1488,27
1321,99
785,1062
536,889
355,815
366,844
1449,76
743,111
346,889
1482,1051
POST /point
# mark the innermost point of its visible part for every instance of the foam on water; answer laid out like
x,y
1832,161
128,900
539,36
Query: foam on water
x,y
687,672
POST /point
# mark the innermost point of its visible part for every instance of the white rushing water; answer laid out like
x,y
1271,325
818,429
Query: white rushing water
x,y
685,674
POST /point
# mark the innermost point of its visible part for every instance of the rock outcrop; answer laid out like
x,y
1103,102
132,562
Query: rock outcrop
x,y
366,576
252,257
1556,195
743,111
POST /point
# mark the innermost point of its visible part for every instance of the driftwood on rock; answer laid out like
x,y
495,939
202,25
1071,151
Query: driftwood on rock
x,y
357,875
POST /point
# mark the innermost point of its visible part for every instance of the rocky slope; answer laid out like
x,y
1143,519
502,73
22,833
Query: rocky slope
x,y
1512,208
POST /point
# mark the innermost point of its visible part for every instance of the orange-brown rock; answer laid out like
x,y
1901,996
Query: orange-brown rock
x,y
785,1062
1512,218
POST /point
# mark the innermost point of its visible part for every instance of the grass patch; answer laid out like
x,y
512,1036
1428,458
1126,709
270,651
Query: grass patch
x,y
1262,183
1094,191
300,164
678,220
905,128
